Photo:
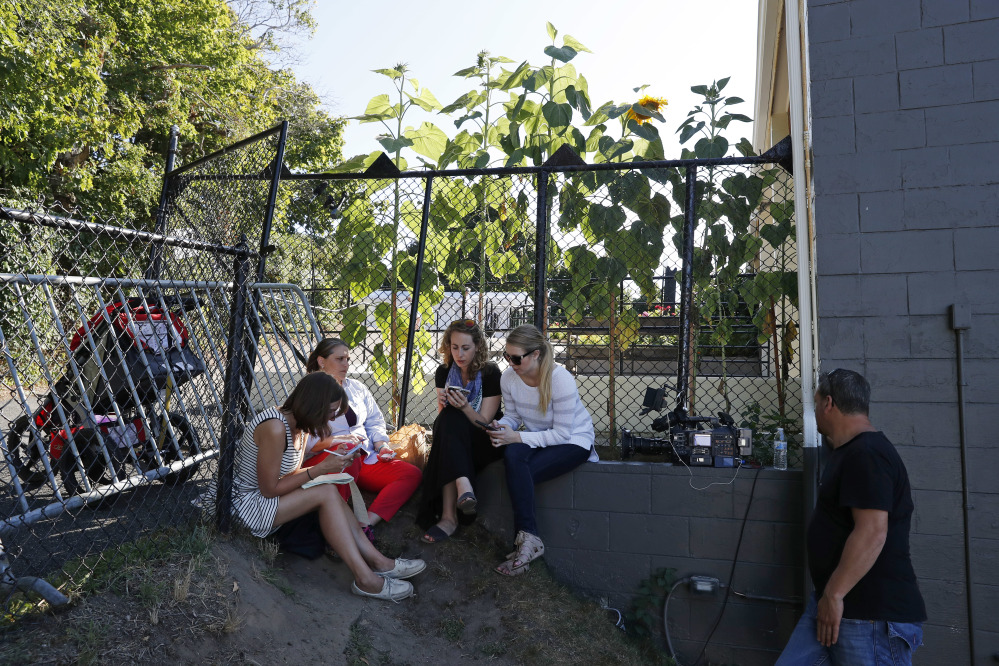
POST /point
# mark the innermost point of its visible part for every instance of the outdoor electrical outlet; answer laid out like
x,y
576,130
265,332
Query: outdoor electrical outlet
x,y
703,584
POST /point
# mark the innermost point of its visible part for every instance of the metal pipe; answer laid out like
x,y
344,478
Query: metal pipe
x,y
541,255
265,232
156,249
235,402
118,233
683,367
414,307
960,321
228,149
514,171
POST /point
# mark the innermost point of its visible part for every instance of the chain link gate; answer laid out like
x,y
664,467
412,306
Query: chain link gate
x,y
674,274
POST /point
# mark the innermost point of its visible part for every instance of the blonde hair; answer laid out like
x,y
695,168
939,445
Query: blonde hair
x,y
530,339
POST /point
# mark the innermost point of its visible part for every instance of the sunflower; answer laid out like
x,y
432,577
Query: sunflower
x,y
649,102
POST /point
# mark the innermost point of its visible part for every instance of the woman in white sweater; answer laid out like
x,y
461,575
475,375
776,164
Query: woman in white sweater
x,y
557,434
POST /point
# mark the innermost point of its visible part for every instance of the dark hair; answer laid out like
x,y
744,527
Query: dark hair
x,y
481,348
310,402
323,349
849,390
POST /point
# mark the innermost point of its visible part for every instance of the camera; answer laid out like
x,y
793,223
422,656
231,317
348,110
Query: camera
x,y
695,440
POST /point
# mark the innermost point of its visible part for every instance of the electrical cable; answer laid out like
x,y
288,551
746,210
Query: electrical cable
x,y
728,586
669,642
690,481
731,573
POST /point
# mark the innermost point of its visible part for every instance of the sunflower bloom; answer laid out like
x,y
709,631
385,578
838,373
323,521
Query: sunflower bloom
x,y
649,102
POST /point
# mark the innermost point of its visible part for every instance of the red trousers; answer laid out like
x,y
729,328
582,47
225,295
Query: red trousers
x,y
395,482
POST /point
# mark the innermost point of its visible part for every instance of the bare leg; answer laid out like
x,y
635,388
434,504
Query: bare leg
x,y
449,510
339,525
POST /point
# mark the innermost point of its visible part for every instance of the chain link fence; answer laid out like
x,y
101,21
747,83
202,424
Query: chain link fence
x,y
132,357
679,275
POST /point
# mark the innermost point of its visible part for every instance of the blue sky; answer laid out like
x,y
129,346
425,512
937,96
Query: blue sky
x,y
669,44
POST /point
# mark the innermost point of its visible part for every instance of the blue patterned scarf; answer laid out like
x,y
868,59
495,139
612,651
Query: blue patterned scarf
x,y
474,387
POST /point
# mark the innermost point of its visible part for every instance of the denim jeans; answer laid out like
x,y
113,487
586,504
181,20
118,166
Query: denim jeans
x,y
860,642
527,467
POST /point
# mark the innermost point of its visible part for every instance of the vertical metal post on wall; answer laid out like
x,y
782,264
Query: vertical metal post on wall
x,y
234,405
684,368
156,248
414,308
541,256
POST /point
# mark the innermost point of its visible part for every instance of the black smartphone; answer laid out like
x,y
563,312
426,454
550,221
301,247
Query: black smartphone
x,y
486,426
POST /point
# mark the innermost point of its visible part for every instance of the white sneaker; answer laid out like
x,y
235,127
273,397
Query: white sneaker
x,y
392,590
404,569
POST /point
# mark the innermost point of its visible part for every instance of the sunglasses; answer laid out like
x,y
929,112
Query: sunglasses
x,y
467,323
517,358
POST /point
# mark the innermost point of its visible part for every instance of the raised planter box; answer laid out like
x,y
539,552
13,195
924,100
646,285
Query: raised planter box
x,y
593,360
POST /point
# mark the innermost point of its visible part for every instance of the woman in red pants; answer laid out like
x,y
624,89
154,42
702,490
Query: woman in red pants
x,y
378,471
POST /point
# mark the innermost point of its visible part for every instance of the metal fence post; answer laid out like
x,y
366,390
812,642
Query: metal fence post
x,y
686,346
541,256
414,308
234,403
265,232
156,248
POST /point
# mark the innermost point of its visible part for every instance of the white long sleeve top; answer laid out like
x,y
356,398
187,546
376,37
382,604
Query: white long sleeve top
x,y
566,420
370,424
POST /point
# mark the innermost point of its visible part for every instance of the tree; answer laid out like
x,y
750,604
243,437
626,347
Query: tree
x,y
91,90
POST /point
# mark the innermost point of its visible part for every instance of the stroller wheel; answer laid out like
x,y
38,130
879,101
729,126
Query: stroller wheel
x,y
24,455
92,461
187,445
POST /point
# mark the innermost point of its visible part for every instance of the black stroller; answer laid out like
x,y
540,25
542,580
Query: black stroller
x,y
124,357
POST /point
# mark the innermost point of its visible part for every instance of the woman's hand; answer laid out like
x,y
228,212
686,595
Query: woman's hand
x,y
457,399
335,441
504,435
441,399
332,464
385,452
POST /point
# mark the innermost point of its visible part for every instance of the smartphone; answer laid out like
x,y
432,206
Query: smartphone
x,y
486,426
459,389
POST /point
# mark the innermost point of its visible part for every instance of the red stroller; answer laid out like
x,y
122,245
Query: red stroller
x,y
124,356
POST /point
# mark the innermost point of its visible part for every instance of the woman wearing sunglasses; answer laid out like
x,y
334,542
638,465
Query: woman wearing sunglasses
x,y
377,471
557,434
468,390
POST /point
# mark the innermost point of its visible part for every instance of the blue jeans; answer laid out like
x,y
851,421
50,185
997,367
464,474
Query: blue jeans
x,y
527,467
860,642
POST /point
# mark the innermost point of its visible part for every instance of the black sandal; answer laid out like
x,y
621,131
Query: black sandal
x,y
435,535
467,503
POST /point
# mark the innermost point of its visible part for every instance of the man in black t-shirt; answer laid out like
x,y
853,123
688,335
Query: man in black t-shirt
x,y
867,608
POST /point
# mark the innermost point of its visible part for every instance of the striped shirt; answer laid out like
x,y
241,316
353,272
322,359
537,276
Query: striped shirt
x,y
566,420
249,506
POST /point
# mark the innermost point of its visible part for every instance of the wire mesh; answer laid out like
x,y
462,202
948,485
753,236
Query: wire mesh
x,y
677,275
612,289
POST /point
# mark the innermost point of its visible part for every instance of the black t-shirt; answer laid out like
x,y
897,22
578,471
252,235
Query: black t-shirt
x,y
867,473
490,379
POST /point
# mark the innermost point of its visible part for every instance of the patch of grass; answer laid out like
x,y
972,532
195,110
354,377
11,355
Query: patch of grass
x,y
452,627
269,550
275,578
89,637
360,650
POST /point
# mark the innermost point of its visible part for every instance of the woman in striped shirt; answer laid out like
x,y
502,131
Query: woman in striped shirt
x,y
268,480
556,436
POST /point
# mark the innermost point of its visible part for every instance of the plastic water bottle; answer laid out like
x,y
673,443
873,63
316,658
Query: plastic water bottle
x,y
780,450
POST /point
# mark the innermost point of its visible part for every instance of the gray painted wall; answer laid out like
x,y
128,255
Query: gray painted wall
x,y
607,526
905,137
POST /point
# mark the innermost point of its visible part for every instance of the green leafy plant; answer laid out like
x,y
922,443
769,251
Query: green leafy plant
x,y
644,618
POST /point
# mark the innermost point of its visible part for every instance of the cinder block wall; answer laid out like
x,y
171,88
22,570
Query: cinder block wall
x,y
905,138
607,526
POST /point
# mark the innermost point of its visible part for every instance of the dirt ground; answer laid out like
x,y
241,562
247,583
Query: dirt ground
x,y
239,603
